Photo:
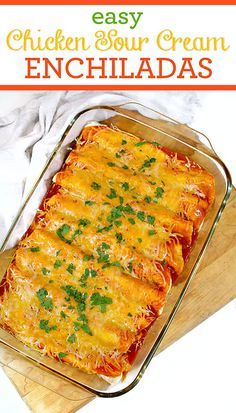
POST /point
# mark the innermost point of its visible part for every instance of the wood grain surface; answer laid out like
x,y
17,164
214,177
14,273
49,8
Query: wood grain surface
x,y
212,288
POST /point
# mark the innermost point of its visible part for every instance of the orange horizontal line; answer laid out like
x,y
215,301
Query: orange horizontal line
x,y
118,87
119,2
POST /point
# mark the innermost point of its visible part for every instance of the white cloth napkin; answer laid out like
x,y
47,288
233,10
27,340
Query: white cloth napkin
x,y
29,134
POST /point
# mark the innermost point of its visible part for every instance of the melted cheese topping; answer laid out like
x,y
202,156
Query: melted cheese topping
x,y
94,270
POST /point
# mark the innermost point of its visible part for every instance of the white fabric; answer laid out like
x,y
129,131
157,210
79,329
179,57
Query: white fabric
x,y
29,134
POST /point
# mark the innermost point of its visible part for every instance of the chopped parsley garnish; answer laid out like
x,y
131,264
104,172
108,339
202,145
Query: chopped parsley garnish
x,y
79,297
141,215
152,182
63,315
88,258
57,264
128,210
45,271
62,231
118,223
118,155
44,300
71,339
111,264
148,199
125,186
103,256
89,202
130,315
111,164
151,232
70,268
84,326
44,325
125,167
155,143
141,143
35,249
58,252
107,228
147,163
76,325
95,186
150,219
140,240
62,355
119,236
164,262
86,329
87,273
105,246
84,222
130,267
123,142
159,193
121,199
101,301
131,220
116,212
112,194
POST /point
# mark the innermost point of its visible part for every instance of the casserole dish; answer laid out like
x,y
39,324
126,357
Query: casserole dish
x,y
139,121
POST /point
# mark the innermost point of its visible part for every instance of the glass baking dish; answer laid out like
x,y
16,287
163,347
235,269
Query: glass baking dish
x,y
146,123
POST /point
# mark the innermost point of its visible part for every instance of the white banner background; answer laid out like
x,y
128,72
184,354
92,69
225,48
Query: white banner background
x,y
183,21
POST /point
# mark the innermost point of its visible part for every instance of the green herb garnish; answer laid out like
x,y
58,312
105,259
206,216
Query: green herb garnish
x,y
100,300
103,256
62,355
147,163
35,249
159,193
95,186
141,215
107,228
71,339
148,199
63,315
119,236
111,164
128,210
125,186
62,231
84,222
89,203
44,300
150,219
112,194
86,329
44,325
45,271
87,273
141,143
131,220
151,232
88,258
70,268
57,264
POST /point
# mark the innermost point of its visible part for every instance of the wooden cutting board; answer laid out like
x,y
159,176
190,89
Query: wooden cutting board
x,y
212,288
